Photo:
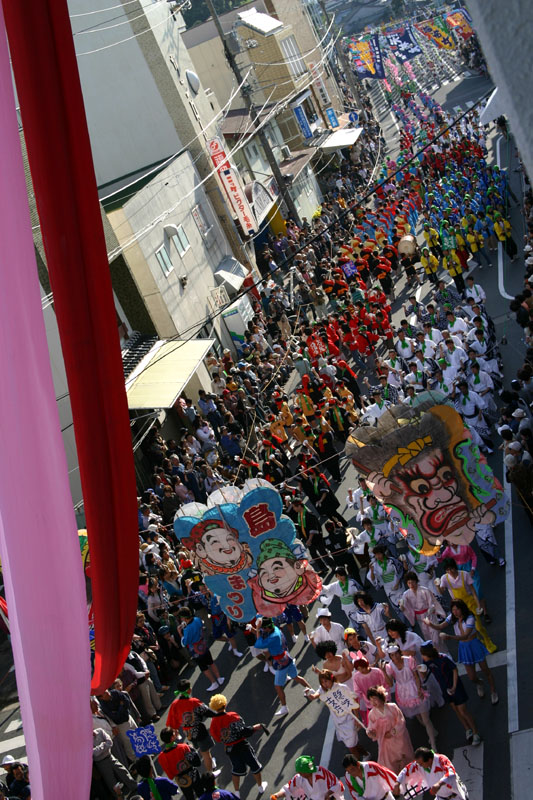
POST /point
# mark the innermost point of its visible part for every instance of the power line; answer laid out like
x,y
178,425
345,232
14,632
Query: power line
x,y
164,214
127,21
356,204
129,38
102,10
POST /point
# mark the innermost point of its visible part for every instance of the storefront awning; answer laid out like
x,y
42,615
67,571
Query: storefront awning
x,y
160,378
343,138
496,106
231,274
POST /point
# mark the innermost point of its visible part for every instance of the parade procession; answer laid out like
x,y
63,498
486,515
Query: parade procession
x,y
316,589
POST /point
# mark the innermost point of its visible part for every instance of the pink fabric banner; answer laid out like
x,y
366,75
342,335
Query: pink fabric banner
x,y
39,546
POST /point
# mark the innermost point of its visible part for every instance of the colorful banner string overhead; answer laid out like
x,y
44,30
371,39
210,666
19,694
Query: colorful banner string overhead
x,y
402,43
436,32
460,22
366,58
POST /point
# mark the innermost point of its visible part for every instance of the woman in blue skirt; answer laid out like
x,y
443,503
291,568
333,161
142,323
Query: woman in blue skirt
x,y
471,651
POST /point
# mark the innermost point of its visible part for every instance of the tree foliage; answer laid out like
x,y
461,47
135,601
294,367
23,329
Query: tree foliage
x,y
199,11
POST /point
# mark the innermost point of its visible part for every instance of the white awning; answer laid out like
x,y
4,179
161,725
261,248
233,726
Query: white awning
x,y
343,138
160,378
231,273
496,106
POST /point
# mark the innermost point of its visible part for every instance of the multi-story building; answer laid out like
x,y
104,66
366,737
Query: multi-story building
x,y
175,247
286,69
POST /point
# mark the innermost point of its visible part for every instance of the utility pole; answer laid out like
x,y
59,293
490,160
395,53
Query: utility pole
x,y
246,91
346,67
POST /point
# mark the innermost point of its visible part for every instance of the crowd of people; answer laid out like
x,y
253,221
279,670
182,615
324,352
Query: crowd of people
x,y
321,357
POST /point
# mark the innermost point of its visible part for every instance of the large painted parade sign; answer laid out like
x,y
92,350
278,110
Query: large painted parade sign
x,y
248,551
420,461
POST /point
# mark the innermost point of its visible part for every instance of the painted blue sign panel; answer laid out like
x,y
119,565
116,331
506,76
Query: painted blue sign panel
x,y
303,122
332,117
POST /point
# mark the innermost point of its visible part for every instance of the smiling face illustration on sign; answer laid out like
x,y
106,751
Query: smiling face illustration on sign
x,y
249,555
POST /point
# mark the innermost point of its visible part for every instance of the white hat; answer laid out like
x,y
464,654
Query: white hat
x,y
323,612
519,413
528,248
153,528
514,446
510,460
8,760
504,428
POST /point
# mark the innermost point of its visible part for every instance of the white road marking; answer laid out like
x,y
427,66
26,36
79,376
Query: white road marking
x,y
457,78
446,82
14,725
469,103
521,767
12,744
468,761
327,747
501,287
510,619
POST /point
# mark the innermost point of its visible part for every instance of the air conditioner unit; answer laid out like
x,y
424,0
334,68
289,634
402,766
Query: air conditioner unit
x,y
285,151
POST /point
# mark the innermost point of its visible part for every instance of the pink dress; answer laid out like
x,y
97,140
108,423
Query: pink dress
x,y
362,683
395,751
406,688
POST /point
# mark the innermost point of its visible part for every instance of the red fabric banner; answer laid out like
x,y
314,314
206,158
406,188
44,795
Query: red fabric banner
x,y
59,152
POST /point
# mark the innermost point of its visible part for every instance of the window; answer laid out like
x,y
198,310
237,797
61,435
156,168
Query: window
x,y
163,258
180,240
252,152
293,57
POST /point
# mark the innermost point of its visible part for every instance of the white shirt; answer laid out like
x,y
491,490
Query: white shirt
x,y
378,782
434,336
428,348
442,769
471,405
458,326
456,357
485,385
335,634
323,781
405,348
375,411
477,292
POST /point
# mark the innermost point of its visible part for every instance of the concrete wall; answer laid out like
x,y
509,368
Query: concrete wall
x,y
292,13
174,309
212,68
306,193
129,124
505,31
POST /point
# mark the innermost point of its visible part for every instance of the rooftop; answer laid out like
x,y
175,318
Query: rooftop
x,y
257,21
298,160
238,122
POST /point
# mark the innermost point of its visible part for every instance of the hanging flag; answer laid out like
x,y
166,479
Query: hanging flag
x,y
460,23
403,44
433,29
366,58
